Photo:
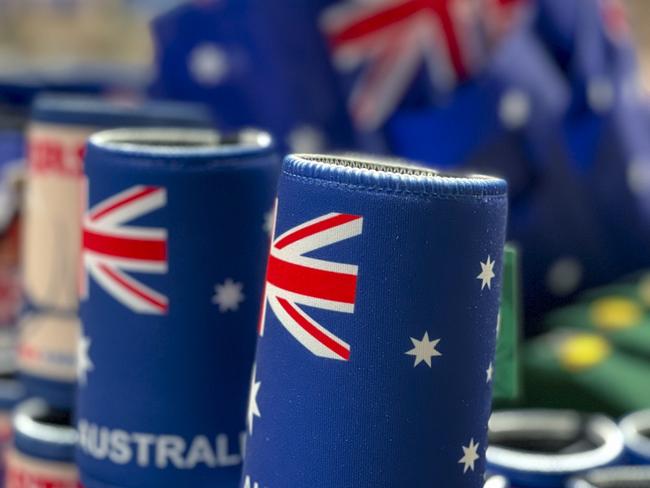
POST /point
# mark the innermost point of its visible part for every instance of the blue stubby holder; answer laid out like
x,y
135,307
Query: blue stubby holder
x,y
175,240
57,134
377,336
636,432
42,455
545,448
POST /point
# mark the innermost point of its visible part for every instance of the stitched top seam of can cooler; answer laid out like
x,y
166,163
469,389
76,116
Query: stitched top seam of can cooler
x,y
181,146
80,110
390,176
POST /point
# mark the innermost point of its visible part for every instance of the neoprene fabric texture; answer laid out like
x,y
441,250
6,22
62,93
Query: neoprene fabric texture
x,y
379,328
174,251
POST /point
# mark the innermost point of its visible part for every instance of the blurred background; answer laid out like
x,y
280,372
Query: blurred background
x,y
553,95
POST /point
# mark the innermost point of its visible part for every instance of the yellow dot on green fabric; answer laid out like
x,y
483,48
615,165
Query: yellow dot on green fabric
x,y
613,313
583,351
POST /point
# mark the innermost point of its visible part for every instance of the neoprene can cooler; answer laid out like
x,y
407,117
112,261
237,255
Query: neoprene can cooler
x,y
175,238
376,346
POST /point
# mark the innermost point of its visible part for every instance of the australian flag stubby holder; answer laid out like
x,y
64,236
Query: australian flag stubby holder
x,y
376,341
175,236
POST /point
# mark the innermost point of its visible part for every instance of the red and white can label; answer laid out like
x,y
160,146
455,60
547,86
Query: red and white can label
x,y
52,220
47,346
27,472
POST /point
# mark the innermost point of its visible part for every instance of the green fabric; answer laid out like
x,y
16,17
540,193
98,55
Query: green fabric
x,y
635,286
630,330
506,379
615,383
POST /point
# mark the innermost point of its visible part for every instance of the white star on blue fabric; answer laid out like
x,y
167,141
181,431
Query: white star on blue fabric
x,y
253,407
489,373
306,139
228,296
247,483
208,64
487,273
424,350
84,364
470,455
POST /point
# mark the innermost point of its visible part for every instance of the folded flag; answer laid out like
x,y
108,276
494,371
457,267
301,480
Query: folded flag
x,y
57,136
377,337
396,53
175,237
241,59
591,43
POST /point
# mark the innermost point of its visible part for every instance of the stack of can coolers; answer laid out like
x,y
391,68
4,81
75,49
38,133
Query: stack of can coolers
x,y
145,258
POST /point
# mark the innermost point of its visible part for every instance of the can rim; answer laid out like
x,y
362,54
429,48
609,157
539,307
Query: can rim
x,y
26,424
97,111
598,426
391,174
631,426
163,142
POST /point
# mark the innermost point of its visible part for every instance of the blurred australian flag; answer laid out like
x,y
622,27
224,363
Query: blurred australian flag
x,y
545,93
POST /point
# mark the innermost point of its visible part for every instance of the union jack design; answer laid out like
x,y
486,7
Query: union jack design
x,y
110,248
393,39
615,20
499,16
292,279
